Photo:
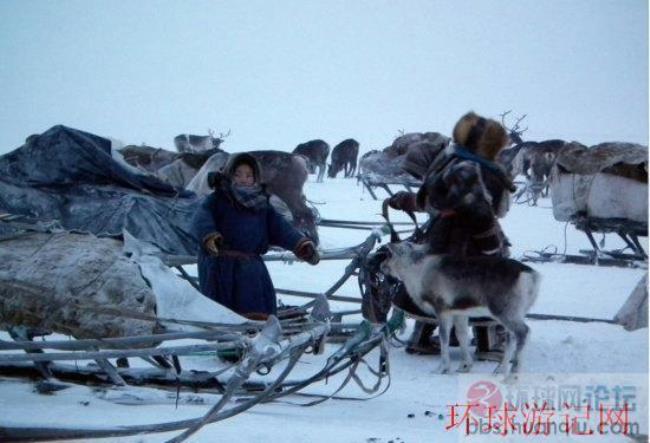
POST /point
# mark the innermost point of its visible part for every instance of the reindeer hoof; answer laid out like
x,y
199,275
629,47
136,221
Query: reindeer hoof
x,y
443,369
464,368
500,369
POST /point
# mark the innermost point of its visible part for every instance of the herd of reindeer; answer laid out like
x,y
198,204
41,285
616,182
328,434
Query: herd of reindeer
x,y
285,173
532,159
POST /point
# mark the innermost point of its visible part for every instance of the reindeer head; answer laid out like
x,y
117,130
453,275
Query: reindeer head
x,y
514,132
400,257
332,171
215,142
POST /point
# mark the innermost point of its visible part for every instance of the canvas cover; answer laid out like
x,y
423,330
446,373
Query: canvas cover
x,y
634,312
75,178
607,181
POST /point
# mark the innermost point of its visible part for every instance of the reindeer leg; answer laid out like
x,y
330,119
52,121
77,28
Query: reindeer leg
x,y
511,325
504,366
517,333
521,333
461,325
444,325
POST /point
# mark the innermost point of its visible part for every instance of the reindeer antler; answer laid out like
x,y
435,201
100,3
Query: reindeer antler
x,y
515,131
503,117
516,126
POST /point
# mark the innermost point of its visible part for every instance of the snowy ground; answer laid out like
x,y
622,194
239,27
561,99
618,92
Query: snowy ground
x,y
573,351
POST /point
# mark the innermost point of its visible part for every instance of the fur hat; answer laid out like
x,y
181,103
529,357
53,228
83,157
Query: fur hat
x,y
485,137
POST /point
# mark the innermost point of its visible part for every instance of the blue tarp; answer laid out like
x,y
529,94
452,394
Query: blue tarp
x,y
70,176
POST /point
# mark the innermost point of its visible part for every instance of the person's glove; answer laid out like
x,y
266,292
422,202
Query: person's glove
x,y
403,201
306,251
212,243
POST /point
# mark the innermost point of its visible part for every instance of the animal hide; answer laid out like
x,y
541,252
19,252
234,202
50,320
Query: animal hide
x,y
606,181
410,155
422,154
578,159
381,168
60,282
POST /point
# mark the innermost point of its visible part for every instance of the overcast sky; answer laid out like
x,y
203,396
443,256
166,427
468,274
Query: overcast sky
x,y
277,73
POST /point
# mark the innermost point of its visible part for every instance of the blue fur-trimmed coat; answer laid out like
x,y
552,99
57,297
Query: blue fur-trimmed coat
x,y
243,285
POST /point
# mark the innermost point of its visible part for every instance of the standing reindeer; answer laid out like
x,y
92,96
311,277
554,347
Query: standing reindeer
x,y
453,288
344,158
316,152
532,159
198,143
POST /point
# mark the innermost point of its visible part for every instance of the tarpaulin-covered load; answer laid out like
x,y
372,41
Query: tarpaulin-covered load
x,y
175,168
56,282
90,287
408,156
377,165
73,177
421,154
607,182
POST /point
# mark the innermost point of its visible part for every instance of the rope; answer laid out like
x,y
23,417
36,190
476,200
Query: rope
x,y
355,222
570,318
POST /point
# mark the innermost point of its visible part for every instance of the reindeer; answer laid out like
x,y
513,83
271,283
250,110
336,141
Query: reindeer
x,y
539,158
532,159
316,152
514,132
508,156
198,143
454,288
344,157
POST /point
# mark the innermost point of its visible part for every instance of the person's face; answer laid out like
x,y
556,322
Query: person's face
x,y
244,175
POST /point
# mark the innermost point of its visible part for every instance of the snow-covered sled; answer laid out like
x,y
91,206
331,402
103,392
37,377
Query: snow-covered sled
x,y
404,163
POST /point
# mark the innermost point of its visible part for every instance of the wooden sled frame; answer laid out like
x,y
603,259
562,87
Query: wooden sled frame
x,y
371,184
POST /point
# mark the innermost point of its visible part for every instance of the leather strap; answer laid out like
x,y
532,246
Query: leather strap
x,y
237,254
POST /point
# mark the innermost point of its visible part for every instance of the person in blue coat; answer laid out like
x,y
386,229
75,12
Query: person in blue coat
x,y
235,225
